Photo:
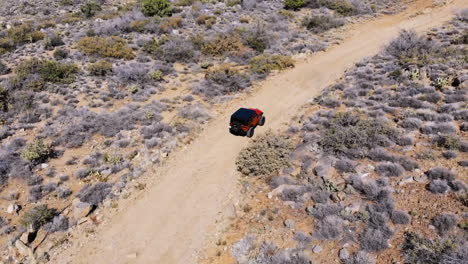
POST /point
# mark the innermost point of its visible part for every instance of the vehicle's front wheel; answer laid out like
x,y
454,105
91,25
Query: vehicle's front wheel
x,y
262,121
250,133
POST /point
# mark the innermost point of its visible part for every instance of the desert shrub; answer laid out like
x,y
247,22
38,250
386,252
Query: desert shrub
x,y
294,4
170,23
266,154
345,165
329,228
440,173
410,123
264,64
19,35
321,211
177,50
58,223
449,154
195,112
37,216
37,151
4,68
114,47
133,72
60,54
373,240
209,21
360,257
90,8
438,186
444,128
53,41
400,218
379,154
348,132
257,38
448,142
444,223
32,74
342,7
410,48
222,44
100,68
322,23
63,192
408,163
95,194
156,7
368,188
222,80
419,250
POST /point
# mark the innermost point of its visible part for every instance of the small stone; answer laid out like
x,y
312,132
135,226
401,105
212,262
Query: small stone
x,y
44,166
344,254
81,210
289,223
317,249
13,209
406,181
22,248
296,172
106,172
232,211
421,179
334,197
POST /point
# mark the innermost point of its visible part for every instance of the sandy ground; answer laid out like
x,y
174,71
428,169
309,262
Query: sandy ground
x,y
185,200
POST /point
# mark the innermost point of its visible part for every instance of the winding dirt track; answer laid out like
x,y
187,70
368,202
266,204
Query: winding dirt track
x,y
170,221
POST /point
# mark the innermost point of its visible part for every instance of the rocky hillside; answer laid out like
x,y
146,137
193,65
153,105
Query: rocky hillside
x,y
373,171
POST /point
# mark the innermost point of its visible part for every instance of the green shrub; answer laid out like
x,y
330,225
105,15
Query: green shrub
x,y
53,41
49,71
37,151
448,142
351,132
100,68
60,54
90,8
417,249
257,38
342,7
266,63
56,72
19,35
3,100
322,23
266,154
156,7
114,47
156,75
231,3
38,216
294,4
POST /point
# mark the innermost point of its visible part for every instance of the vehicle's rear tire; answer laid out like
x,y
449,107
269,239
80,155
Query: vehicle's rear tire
x,y
262,121
250,133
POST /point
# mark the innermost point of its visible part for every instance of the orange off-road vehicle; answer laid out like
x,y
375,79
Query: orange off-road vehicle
x,y
245,120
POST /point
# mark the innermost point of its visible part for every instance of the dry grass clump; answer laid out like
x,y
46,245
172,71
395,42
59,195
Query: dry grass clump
x,y
114,47
266,154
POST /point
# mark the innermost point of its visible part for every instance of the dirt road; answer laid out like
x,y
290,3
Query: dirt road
x,y
169,222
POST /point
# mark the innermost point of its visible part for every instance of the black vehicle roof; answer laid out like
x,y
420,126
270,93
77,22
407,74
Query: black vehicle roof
x,y
243,114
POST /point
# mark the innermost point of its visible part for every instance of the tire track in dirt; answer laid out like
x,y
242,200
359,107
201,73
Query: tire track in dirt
x,y
176,213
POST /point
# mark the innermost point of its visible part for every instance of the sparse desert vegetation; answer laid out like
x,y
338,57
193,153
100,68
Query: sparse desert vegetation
x,y
95,93
377,169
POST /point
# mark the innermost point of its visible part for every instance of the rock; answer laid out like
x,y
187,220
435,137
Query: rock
x,y
131,255
106,172
406,180
317,249
231,211
296,172
22,248
44,166
334,197
344,254
353,208
289,223
421,179
81,210
13,209
323,168
341,196
278,190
